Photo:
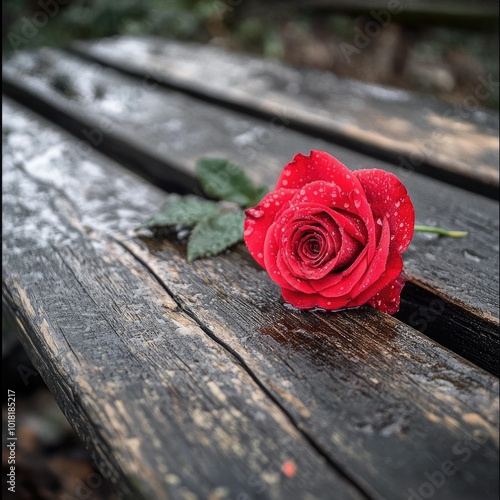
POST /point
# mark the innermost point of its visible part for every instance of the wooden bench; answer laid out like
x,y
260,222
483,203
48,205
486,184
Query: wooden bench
x,y
193,380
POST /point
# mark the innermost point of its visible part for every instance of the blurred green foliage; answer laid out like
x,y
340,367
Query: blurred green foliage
x,y
80,19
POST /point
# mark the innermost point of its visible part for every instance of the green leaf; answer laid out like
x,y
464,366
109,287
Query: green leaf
x,y
215,233
226,181
187,210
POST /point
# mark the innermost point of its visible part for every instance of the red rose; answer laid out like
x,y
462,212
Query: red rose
x,y
333,238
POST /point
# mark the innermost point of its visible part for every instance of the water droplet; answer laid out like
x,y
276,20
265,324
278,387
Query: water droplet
x,y
473,256
302,191
255,213
288,173
183,233
284,182
357,203
260,255
379,221
248,231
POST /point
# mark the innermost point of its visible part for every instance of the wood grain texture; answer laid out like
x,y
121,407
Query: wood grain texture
x,y
163,133
166,408
397,125
181,366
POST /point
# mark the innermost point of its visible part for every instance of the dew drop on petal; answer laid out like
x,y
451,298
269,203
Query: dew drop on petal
x,y
284,182
302,191
255,213
379,221
260,255
248,231
357,203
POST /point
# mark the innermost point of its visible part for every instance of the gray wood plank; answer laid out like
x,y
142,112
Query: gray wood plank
x,y
164,132
168,411
151,370
455,143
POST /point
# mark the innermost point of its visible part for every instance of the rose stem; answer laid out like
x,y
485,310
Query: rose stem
x,y
441,231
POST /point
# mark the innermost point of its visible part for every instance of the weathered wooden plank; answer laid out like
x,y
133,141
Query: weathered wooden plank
x,y
164,132
378,399
455,143
170,410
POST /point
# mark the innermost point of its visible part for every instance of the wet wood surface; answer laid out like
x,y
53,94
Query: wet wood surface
x,y
161,133
194,379
456,143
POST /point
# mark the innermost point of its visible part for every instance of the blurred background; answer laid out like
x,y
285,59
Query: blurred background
x,y
434,47
439,47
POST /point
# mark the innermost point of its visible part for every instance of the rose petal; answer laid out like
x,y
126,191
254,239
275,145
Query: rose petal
x,y
389,199
308,301
300,300
286,278
331,236
349,205
342,285
318,166
377,265
389,298
259,219
392,272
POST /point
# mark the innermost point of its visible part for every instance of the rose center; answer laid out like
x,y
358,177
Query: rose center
x,y
310,246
